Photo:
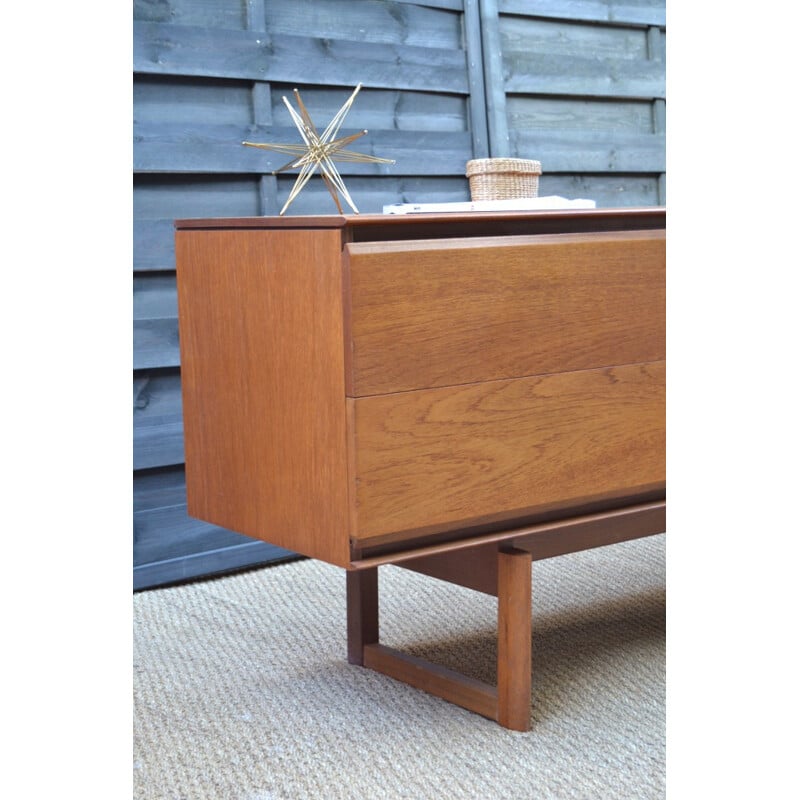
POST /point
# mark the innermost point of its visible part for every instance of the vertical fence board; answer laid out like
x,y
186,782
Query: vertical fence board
x,y
493,77
477,84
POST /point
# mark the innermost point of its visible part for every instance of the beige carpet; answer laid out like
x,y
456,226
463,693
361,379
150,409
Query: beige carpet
x,y
242,690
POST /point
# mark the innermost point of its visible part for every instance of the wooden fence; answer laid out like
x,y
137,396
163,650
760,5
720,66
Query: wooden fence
x,y
576,84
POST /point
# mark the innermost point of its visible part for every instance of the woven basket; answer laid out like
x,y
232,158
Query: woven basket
x,y
503,178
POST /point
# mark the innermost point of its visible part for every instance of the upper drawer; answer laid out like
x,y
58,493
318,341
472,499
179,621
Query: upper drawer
x,y
431,313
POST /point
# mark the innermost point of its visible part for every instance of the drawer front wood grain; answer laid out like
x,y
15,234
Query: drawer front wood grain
x,y
444,312
439,459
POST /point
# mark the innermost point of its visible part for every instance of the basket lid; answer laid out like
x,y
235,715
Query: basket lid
x,y
478,166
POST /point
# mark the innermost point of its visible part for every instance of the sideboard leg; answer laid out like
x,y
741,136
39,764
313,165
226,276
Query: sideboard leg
x,y
362,612
509,702
514,640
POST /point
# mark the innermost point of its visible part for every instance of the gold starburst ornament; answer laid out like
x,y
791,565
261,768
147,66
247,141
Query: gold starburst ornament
x,y
320,152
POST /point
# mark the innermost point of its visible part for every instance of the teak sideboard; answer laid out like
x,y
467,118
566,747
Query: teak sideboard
x,y
457,394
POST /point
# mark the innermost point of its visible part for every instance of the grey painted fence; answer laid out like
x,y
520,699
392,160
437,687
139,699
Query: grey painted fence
x,y
577,84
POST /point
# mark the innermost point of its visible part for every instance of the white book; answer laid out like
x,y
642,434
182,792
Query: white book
x,y
521,204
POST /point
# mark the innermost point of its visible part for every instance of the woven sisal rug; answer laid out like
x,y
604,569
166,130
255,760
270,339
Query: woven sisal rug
x,y
242,690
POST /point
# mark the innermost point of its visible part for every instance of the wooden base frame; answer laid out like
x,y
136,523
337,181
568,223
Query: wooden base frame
x,y
501,568
509,701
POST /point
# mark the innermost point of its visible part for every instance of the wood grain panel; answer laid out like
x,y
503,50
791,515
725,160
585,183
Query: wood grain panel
x,y
441,458
444,312
263,387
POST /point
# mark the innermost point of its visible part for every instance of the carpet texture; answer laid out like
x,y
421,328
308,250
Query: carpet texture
x,y
242,690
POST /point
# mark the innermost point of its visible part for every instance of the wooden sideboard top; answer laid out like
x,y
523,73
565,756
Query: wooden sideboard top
x,y
369,227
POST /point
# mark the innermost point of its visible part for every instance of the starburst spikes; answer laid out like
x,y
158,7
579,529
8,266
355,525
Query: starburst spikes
x,y
320,151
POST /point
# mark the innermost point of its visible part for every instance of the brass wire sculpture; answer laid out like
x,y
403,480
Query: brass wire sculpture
x,y
320,152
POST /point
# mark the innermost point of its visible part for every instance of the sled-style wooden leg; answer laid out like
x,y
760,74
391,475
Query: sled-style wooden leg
x,y
362,613
509,702
514,639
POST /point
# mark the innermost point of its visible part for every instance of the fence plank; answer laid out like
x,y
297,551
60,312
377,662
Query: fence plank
x,y
224,14
493,71
192,100
645,12
368,21
205,13
153,244
576,151
189,50
372,194
378,109
204,564
165,99
218,148
167,533
155,343
169,545
157,420
572,39
477,84
155,322
607,190
175,196
580,114
533,73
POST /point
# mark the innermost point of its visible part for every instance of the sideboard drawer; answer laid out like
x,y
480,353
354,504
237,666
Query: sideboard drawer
x,y
442,458
434,313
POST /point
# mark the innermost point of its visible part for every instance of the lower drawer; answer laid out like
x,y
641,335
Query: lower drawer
x,y
438,459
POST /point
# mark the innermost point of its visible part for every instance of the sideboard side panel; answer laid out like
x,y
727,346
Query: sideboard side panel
x,y
262,373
